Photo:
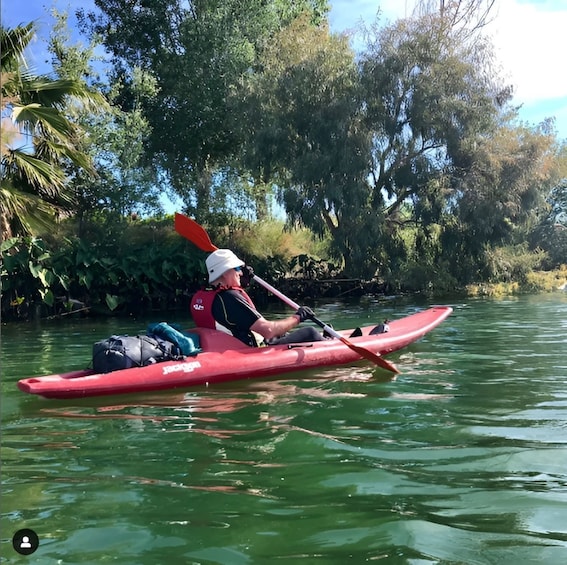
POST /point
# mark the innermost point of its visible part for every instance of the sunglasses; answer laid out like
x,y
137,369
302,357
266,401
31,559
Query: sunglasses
x,y
238,269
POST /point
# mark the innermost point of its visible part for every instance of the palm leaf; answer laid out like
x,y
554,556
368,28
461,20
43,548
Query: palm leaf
x,y
52,150
49,119
34,172
28,212
13,43
49,92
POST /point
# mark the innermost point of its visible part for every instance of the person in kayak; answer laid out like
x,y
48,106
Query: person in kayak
x,y
227,307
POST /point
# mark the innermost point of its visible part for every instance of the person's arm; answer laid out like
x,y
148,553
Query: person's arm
x,y
275,328
269,329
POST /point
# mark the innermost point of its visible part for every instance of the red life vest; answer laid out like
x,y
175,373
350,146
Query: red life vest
x,y
202,305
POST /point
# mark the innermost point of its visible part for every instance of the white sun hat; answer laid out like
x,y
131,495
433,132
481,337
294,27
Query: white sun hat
x,y
220,261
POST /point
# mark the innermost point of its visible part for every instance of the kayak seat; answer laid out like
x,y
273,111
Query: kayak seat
x,y
214,340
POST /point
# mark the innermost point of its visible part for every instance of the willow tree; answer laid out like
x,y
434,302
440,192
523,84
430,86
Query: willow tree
x,y
38,139
501,200
305,133
363,146
433,96
469,16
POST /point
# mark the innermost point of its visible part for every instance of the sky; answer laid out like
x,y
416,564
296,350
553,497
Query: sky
x,y
528,36
529,41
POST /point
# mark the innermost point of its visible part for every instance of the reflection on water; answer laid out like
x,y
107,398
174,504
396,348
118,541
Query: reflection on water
x,y
461,458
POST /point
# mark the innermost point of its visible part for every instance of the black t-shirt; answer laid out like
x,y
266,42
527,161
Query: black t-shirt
x,y
236,314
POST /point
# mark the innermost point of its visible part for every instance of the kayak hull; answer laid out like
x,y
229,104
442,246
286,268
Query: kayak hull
x,y
224,358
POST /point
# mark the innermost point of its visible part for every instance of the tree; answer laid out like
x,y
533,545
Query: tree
x,y
558,194
38,139
198,53
365,149
431,97
115,138
469,16
550,234
501,199
305,134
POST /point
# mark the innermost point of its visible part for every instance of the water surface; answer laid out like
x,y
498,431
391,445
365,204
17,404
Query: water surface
x,y
460,459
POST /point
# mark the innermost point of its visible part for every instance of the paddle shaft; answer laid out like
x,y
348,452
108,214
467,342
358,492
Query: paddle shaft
x,y
293,305
363,352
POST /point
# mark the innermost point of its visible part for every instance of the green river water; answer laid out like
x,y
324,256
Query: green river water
x,y
461,459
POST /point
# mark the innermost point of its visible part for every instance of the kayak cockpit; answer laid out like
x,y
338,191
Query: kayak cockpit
x,y
215,340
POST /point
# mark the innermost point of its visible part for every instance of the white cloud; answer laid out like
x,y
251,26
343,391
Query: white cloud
x,y
529,43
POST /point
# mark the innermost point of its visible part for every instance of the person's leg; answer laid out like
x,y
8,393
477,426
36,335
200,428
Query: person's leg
x,y
307,333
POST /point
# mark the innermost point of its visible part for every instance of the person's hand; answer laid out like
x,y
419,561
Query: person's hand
x,y
247,275
304,313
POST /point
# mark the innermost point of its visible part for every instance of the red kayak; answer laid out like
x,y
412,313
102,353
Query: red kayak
x,y
225,358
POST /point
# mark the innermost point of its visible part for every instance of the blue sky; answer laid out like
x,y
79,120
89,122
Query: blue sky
x,y
529,41
528,36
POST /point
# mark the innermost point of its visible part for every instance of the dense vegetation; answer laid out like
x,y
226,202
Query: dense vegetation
x,y
403,162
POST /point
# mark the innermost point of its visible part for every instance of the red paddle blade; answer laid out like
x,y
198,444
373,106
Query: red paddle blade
x,y
376,359
195,233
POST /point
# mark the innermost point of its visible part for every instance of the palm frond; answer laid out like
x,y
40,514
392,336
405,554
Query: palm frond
x,y
13,43
34,187
33,116
33,172
52,150
28,212
54,92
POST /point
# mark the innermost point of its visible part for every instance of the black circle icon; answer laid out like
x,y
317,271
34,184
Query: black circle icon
x,y
25,541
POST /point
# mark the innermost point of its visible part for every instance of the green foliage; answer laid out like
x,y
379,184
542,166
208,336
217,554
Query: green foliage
x,y
505,190
28,274
551,238
548,281
352,143
304,132
406,164
140,266
115,139
198,54
513,263
40,141
308,267
126,266
535,281
418,266
271,238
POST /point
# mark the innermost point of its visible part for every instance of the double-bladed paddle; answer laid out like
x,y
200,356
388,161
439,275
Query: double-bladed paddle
x,y
195,233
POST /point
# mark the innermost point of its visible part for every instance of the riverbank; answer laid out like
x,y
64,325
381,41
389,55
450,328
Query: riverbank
x,y
536,281
307,291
